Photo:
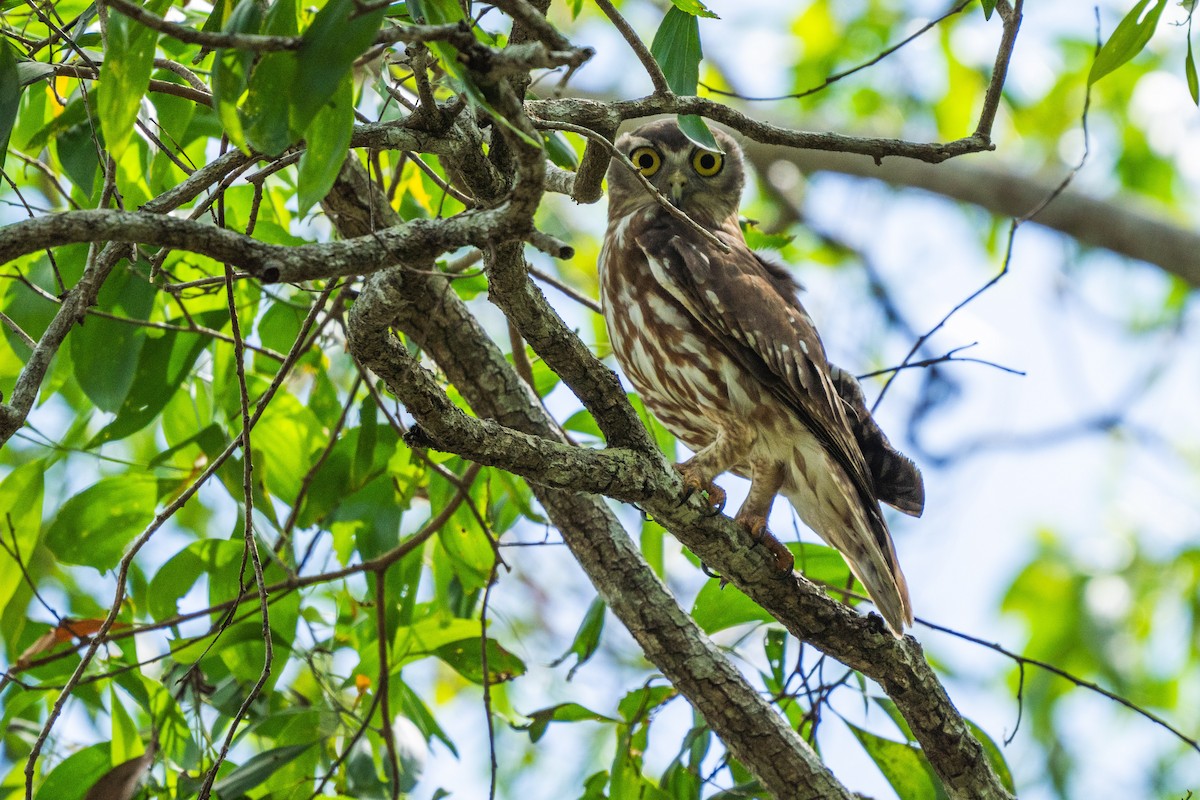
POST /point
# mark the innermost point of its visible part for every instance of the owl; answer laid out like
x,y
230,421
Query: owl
x,y
721,351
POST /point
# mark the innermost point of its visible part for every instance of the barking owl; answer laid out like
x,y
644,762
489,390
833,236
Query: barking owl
x,y
721,351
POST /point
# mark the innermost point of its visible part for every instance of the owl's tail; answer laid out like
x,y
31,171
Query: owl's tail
x,y
867,547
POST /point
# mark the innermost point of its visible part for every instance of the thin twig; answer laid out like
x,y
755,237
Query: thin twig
x,y
657,78
837,76
1062,673
487,679
250,543
381,635
942,359
569,291
210,39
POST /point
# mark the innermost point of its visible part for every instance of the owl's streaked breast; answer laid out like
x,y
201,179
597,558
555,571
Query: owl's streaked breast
x,y
649,328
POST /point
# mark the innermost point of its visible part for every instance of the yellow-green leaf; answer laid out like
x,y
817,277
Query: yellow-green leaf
x,y
1128,39
125,76
328,141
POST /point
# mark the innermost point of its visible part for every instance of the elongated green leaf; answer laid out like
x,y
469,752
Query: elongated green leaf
x,y
676,48
72,777
995,755
466,658
988,7
587,638
260,767
903,765
21,499
719,608
1128,39
94,526
266,108
328,141
564,712
339,34
559,150
231,71
695,128
175,578
125,76
161,368
104,352
10,94
1189,67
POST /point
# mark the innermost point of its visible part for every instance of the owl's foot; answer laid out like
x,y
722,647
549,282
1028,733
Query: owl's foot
x,y
694,482
756,525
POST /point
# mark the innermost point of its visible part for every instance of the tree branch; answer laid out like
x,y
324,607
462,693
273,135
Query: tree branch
x,y
1121,224
425,306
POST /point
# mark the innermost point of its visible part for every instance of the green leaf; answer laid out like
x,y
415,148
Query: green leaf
x,y
903,765
125,76
75,773
21,499
10,94
1189,67
164,364
1129,38
265,115
231,71
676,48
257,769
695,8
176,577
593,787
695,128
76,149
564,712
328,141
719,608
466,658
587,638
94,527
636,705
339,34
988,7
559,149
104,352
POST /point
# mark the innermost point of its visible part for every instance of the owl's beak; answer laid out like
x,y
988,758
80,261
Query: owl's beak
x,y
676,184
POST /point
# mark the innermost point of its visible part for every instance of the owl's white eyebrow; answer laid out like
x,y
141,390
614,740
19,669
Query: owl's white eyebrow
x,y
658,196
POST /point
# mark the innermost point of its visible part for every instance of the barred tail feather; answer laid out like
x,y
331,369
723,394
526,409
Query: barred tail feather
x,y
887,589
865,544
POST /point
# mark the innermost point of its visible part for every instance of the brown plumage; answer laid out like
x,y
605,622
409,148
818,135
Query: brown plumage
x,y
723,353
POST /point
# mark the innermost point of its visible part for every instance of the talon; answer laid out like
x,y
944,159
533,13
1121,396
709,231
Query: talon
x,y
714,496
716,500
756,526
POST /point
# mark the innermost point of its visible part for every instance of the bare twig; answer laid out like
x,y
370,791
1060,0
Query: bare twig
x,y
837,76
657,78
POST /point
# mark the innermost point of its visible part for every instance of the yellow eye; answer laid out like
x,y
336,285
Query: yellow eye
x,y
646,159
707,163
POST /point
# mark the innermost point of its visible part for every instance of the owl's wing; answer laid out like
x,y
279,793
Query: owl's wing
x,y
897,480
735,297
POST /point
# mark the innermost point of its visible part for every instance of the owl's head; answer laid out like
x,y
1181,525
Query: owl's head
x,y
706,186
